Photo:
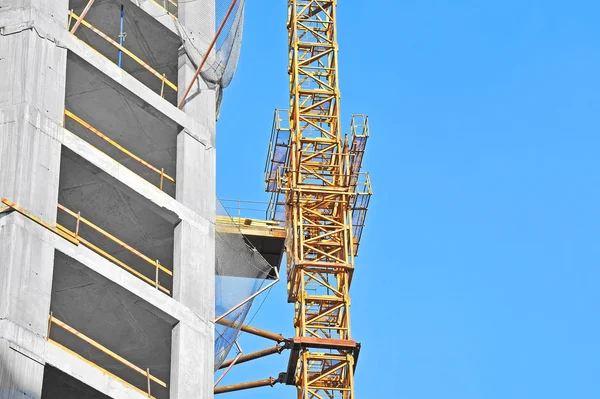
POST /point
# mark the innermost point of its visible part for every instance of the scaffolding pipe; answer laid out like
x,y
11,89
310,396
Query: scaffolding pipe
x,y
253,330
121,34
247,385
277,349
232,363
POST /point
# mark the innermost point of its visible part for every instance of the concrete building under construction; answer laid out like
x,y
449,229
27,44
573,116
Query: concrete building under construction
x,y
121,273
108,217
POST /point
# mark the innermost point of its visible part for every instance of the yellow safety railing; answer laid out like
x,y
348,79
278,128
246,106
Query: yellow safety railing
x,y
11,205
169,6
76,238
161,77
75,235
160,172
146,373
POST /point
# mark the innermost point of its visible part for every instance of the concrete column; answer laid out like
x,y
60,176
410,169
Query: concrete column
x,y
196,176
192,356
31,110
191,375
194,258
32,94
25,277
26,267
20,376
192,353
198,18
29,158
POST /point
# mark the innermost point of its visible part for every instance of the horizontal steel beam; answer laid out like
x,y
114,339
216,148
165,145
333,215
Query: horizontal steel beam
x,y
254,331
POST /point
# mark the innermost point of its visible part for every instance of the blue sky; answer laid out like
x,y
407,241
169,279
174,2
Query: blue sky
x,y
478,274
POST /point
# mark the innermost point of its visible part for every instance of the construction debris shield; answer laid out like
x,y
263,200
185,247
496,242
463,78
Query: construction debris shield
x,y
220,67
241,273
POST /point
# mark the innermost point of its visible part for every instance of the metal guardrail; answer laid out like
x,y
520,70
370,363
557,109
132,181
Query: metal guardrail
x,y
360,205
244,213
97,31
76,239
279,144
77,236
160,172
146,373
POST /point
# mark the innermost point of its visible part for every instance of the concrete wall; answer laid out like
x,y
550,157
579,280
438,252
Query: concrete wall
x,y
31,98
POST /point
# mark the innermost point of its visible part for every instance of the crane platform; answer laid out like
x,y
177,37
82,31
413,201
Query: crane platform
x,y
267,236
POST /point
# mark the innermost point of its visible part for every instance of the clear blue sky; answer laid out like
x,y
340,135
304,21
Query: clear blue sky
x,y
479,270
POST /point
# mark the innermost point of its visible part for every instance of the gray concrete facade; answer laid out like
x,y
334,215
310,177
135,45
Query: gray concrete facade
x,y
47,159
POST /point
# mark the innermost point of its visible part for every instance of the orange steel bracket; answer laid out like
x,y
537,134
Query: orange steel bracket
x,y
82,16
230,363
277,349
253,330
249,385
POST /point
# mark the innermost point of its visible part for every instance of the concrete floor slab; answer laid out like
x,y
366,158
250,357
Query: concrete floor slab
x,y
166,307
119,175
24,343
61,385
89,374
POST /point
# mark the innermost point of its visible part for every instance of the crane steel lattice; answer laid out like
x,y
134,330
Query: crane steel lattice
x,y
314,174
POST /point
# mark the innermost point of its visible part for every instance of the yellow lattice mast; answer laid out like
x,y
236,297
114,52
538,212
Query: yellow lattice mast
x,y
314,172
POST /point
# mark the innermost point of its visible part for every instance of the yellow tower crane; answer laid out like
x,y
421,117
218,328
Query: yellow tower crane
x,y
314,172
321,196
